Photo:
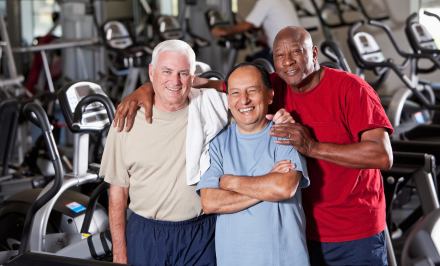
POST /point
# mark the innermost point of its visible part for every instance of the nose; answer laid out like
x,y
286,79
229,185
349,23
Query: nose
x,y
176,79
244,98
288,60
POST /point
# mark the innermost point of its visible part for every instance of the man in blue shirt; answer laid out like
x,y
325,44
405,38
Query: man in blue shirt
x,y
251,183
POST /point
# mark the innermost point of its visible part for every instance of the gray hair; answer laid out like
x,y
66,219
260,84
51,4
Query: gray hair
x,y
175,46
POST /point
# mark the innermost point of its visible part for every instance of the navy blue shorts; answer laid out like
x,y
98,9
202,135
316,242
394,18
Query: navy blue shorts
x,y
370,251
151,242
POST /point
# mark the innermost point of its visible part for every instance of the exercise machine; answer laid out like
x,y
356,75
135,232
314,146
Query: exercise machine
x,y
58,222
128,59
409,107
24,257
423,243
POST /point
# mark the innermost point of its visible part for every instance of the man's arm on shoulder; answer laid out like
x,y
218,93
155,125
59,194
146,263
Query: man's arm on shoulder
x,y
118,197
127,108
274,186
215,200
200,83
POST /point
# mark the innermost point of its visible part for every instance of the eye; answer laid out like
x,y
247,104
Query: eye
x,y
184,74
168,72
297,51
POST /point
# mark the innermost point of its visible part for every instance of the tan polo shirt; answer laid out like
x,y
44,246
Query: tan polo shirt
x,y
150,160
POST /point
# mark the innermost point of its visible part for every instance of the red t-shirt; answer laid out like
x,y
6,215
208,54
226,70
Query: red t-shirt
x,y
341,204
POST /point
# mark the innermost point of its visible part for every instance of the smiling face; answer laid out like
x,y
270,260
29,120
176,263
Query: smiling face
x,y
295,57
171,81
248,99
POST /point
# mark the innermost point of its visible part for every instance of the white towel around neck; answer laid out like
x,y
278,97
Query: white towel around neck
x,y
207,116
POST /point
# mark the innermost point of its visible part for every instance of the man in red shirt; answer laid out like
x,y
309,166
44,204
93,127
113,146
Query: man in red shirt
x,y
343,131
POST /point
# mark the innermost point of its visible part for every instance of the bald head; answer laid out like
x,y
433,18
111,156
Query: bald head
x,y
296,34
295,57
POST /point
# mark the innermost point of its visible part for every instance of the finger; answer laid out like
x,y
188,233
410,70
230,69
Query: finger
x,y
119,117
282,162
284,142
286,169
115,119
281,133
284,128
148,107
277,115
131,114
269,117
286,118
288,165
290,120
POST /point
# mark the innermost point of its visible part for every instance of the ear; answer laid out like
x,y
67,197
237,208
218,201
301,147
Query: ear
x,y
270,95
315,54
150,71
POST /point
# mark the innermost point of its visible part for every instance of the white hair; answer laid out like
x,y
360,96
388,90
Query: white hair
x,y
175,46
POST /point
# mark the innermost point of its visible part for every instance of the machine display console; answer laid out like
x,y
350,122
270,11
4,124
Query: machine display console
x,y
423,37
95,117
368,47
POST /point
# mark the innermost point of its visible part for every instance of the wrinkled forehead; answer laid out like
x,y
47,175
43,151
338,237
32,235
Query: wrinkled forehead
x,y
292,39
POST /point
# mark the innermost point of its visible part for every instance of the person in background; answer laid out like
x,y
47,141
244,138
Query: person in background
x,y
271,16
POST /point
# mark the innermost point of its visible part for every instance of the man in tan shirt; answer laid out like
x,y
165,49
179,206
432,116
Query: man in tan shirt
x,y
148,164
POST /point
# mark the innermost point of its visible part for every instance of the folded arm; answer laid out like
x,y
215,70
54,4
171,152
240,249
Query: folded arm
x,y
221,201
273,186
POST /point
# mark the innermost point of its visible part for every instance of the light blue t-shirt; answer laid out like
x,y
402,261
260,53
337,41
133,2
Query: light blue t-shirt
x,y
268,233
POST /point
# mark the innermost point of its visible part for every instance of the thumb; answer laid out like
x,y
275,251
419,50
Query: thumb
x,y
269,117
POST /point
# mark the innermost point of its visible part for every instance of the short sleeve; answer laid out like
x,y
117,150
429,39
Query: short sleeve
x,y
364,110
113,168
258,13
211,178
287,152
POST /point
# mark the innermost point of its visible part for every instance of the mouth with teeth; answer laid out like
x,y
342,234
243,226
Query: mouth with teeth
x,y
291,72
246,110
173,89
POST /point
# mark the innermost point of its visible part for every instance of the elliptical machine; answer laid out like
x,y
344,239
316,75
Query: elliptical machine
x,y
127,58
37,258
58,222
409,107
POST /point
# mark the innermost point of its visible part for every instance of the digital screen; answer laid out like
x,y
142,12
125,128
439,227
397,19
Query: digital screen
x,y
83,91
364,41
420,30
